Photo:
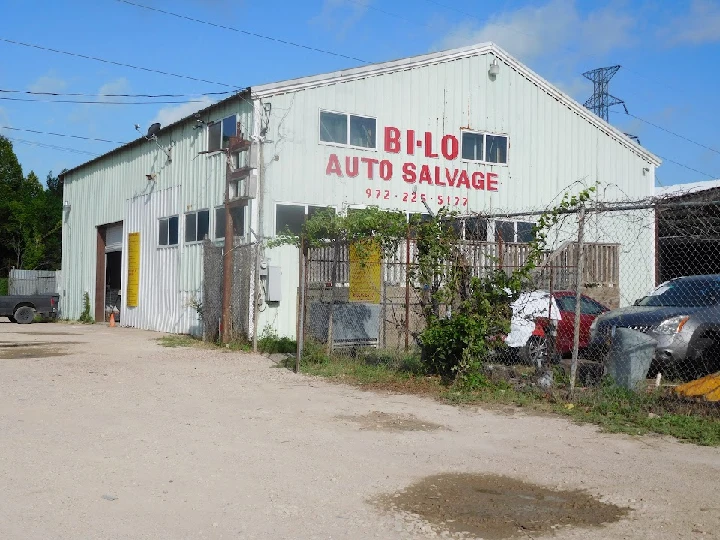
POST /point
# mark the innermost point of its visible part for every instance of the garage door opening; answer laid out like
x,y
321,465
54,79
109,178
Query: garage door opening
x,y
108,276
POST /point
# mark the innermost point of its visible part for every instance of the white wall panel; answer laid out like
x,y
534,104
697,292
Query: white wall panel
x,y
553,149
98,191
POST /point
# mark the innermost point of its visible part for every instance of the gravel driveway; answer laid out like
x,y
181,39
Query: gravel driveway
x,y
107,435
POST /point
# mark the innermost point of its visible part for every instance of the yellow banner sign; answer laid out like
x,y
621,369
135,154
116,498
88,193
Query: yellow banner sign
x,y
133,277
365,266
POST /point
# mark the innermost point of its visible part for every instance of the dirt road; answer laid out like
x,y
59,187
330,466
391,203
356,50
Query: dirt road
x,y
107,435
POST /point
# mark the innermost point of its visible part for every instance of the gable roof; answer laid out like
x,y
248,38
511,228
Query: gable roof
x,y
382,68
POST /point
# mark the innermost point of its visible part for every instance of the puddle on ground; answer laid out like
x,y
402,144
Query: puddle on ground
x,y
496,507
47,333
380,421
13,351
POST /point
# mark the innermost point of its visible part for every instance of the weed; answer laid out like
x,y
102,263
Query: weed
x,y
178,341
85,316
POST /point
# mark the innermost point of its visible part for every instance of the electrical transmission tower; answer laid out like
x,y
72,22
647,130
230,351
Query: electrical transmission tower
x,y
602,100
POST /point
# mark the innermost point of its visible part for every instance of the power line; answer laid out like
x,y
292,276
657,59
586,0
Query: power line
x,y
670,132
246,32
61,135
712,177
52,146
87,102
29,92
121,64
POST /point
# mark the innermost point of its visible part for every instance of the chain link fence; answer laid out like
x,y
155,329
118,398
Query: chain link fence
x,y
648,315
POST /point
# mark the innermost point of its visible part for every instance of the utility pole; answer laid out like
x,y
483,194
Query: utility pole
x,y
238,189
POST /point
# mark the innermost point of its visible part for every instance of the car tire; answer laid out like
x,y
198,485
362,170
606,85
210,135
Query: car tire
x,y
535,351
24,315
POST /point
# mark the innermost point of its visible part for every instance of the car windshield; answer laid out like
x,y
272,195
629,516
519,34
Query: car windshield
x,y
689,293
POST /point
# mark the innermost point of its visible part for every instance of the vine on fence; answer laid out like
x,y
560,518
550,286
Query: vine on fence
x,y
466,317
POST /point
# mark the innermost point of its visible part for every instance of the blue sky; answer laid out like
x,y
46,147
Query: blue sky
x,y
670,53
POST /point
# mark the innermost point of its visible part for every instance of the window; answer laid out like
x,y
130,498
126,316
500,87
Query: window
x,y
472,146
197,225
168,231
484,147
333,127
238,215
495,149
350,129
587,306
476,229
219,133
504,231
525,232
290,217
514,231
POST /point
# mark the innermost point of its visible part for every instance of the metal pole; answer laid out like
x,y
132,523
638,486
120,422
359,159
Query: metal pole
x,y
301,310
258,244
407,289
578,293
227,262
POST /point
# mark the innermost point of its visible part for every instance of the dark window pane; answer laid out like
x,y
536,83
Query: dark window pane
x,y
289,217
229,129
333,127
173,230
505,231
458,226
214,136
525,231
590,307
220,222
203,224
190,227
362,131
163,236
566,303
238,217
472,146
312,210
496,149
476,229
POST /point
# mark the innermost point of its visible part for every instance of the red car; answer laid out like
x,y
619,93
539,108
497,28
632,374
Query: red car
x,y
537,346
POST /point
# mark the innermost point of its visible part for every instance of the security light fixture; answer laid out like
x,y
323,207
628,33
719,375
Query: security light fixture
x,y
494,69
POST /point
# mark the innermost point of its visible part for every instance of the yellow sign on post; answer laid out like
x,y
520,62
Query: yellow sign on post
x,y
133,277
365,274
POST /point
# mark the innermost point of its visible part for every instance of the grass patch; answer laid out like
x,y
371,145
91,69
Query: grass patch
x,y
614,409
179,341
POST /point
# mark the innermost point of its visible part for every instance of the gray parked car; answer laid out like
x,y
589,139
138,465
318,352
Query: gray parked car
x,y
683,315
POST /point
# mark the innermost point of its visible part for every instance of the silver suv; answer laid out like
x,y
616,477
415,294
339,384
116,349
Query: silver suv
x,y
683,315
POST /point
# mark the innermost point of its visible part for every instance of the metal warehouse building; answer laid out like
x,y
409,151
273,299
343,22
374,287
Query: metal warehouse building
x,y
472,128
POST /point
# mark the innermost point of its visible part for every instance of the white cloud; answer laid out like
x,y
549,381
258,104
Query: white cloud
x,y
700,25
532,32
339,16
48,83
168,115
118,86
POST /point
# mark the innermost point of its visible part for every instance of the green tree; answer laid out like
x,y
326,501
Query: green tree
x,y
30,216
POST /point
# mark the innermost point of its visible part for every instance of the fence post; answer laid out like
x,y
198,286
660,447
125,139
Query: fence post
x,y
578,293
301,307
407,289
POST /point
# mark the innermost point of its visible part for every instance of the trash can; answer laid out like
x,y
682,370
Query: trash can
x,y
629,358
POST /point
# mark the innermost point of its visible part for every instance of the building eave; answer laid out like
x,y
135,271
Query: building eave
x,y
243,95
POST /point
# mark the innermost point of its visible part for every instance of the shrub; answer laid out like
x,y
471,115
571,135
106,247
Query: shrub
x,y
85,316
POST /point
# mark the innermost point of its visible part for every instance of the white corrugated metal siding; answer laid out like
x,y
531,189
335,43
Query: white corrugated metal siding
x,y
97,193
551,148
